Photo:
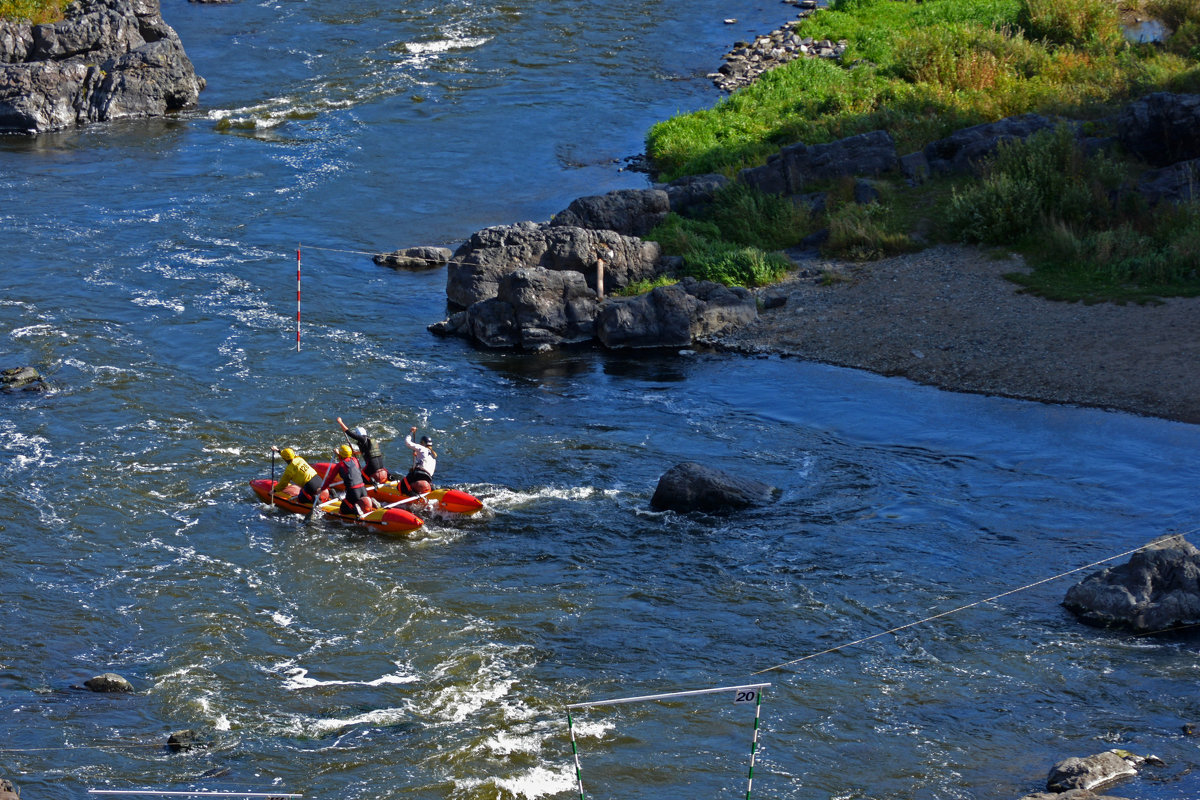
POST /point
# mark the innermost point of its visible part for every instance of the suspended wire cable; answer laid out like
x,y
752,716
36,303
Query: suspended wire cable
x,y
971,605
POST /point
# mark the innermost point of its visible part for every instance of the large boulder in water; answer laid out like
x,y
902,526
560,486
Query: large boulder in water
x,y
21,378
629,212
1157,590
534,309
675,315
694,487
475,271
1102,769
107,60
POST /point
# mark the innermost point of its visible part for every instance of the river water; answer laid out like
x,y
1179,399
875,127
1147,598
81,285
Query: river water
x,y
149,272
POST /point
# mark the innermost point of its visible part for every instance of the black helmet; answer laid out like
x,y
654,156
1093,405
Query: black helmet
x,y
425,440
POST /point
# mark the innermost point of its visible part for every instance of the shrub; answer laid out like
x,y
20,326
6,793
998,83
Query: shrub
x,y
859,232
1079,23
39,12
746,216
708,256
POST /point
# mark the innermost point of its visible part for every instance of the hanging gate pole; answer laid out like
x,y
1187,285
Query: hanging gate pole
x,y
575,753
297,297
754,744
746,693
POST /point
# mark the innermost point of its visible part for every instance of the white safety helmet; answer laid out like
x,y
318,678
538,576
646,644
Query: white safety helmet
x,y
359,432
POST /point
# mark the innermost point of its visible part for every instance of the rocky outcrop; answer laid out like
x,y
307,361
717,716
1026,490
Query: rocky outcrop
x,y
748,60
1102,769
107,60
963,150
21,379
108,682
1157,590
415,258
629,212
1161,128
9,790
793,168
474,272
1071,794
692,194
673,316
534,309
1177,183
694,487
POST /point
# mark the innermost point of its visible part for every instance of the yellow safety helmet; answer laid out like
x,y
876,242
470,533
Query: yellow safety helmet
x,y
344,451
287,453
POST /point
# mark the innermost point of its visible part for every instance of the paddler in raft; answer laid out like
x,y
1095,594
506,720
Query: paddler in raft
x,y
300,473
372,454
419,479
356,500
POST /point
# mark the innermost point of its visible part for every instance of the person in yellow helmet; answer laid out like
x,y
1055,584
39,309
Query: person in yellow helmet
x,y
300,473
356,500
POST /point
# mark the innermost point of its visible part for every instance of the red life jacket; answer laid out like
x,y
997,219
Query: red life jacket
x,y
351,473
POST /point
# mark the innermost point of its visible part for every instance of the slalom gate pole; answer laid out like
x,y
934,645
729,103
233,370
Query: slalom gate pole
x,y
575,752
754,744
297,297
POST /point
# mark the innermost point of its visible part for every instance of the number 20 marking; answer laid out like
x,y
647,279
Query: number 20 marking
x,y
745,696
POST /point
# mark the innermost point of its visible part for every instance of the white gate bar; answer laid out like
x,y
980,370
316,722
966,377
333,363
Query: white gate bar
x,y
192,794
665,696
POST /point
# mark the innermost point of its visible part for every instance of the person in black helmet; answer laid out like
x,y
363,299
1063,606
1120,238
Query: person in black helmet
x,y
371,453
420,478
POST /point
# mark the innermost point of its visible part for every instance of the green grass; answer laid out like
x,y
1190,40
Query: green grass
x,y
921,71
38,12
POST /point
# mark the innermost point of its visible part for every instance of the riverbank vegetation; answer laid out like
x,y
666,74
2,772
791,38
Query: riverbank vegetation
x,y
923,70
39,12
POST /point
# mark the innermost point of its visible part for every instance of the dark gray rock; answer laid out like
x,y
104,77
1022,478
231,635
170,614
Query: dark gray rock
x,y
1070,794
1102,769
108,682
674,316
9,790
21,379
1161,128
107,60
474,272
694,487
792,169
534,309
629,212
1178,183
963,150
415,258
691,194
1157,590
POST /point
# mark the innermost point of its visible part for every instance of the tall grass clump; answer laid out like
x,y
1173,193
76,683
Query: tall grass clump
x,y
1045,177
1078,23
1182,17
38,12
707,255
861,232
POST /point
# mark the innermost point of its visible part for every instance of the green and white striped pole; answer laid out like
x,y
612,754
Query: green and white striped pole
x,y
754,743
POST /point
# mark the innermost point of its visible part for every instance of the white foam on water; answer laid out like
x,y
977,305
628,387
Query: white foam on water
x,y
446,45
378,718
531,784
41,329
298,679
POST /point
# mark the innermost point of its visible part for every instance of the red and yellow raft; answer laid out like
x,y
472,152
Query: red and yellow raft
x,y
452,501
392,521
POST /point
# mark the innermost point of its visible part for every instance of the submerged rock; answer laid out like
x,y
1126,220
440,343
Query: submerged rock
x,y
108,682
694,487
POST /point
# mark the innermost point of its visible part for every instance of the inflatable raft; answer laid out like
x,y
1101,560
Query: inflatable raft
x,y
393,521
451,501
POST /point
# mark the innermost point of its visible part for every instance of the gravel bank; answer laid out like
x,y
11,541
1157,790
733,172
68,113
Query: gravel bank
x,y
947,317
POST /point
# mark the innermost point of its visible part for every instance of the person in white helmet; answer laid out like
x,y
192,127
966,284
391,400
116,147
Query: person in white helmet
x,y
370,452
419,479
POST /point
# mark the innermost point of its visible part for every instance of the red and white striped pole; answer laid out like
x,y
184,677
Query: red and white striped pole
x,y
297,297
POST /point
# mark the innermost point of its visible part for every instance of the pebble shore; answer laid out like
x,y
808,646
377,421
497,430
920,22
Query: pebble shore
x,y
948,317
